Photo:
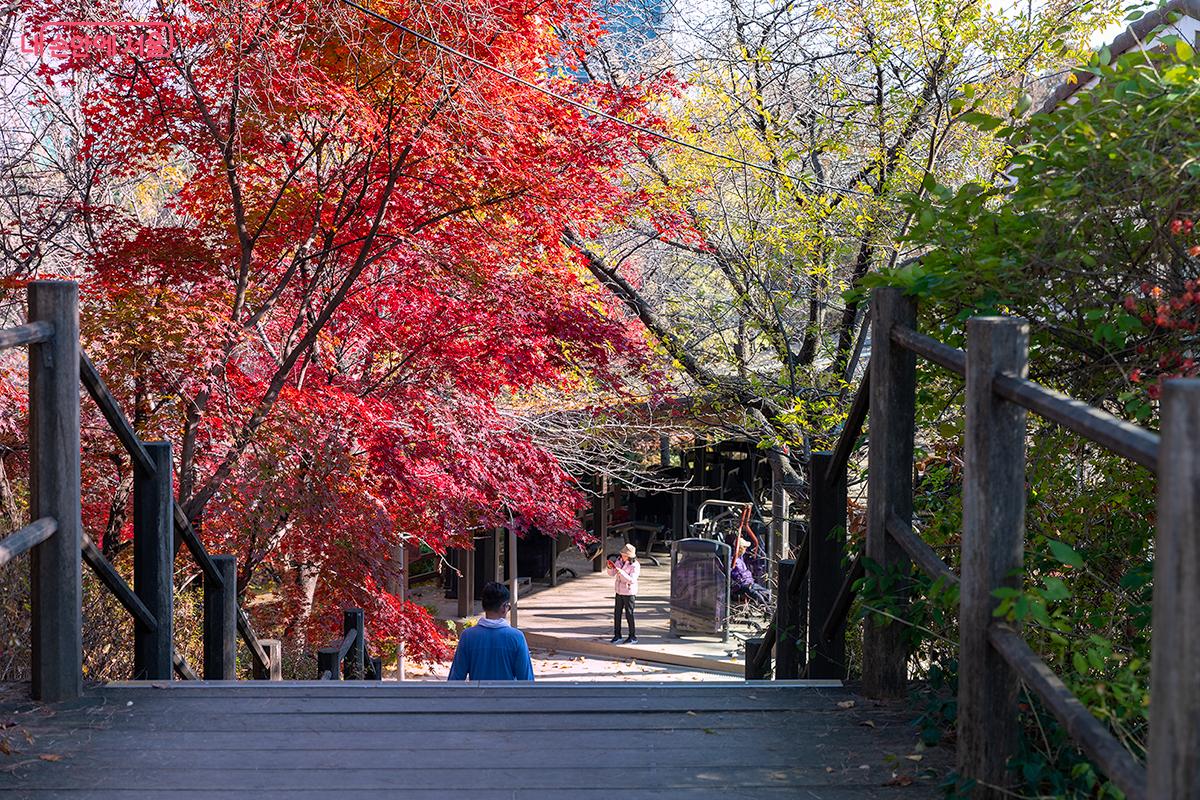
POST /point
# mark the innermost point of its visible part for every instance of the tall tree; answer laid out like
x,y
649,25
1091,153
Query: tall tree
x,y
801,128
318,253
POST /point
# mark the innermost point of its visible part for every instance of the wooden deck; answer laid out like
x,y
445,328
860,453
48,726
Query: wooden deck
x,y
482,741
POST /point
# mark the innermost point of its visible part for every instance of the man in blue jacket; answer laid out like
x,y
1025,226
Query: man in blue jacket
x,y
492,650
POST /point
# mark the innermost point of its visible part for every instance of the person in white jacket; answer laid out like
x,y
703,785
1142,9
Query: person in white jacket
x,y
625,568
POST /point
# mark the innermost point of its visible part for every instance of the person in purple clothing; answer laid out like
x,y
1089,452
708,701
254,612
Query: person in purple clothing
x,y
492,650
741,579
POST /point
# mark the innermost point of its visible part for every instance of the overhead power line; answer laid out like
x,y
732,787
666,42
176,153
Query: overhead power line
x,y
592,109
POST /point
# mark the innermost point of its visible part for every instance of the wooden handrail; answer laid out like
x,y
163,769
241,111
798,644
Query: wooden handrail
x,y
1114,760
847,442
57,367
111,410
845,599
931,349
993,533
183,527
21,541
347,643
252,641
921,553
112,579
182,668
763,655
29,333
1111,432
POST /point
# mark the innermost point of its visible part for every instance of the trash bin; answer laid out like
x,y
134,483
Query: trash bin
x,y
700,587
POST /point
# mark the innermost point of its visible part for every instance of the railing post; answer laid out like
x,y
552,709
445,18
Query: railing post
x,y
1172,766
826,549
889,487
55,571
220,622
600,522
327,661
788,625
992,546
353,620
274,650
753,671
154,562
777,538
463,581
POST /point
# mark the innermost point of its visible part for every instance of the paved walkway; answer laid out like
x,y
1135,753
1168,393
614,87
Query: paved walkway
x,y
423,741
576,617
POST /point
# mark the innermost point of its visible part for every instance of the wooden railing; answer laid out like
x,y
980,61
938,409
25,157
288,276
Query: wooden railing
x,y
993,657
350,658
56,540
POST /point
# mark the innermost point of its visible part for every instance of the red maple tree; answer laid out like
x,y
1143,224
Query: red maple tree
x,y
320,251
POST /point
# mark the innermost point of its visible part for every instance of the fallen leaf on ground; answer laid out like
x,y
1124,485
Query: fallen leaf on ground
x,y
900,780
915,757
868,723
691,713
50,757
846,704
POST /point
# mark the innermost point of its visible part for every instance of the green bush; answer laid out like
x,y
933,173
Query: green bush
x,y
1091,233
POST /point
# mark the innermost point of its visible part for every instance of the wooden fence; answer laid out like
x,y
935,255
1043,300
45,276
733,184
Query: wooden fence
x,y
994,659
349,659
56,540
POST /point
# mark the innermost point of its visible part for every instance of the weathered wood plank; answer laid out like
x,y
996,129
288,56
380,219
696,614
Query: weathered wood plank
x,y
920,552
273,668
567,793
113,581
470,703
889,482
1174,769
993,545
1092,737
21,541
847,441
65,775
258,652
54,476
113,415
154,562
420,741
220,621
929,348
826,573
187,534
789,646
463,721
29,333
352,654
249,756
1123,438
